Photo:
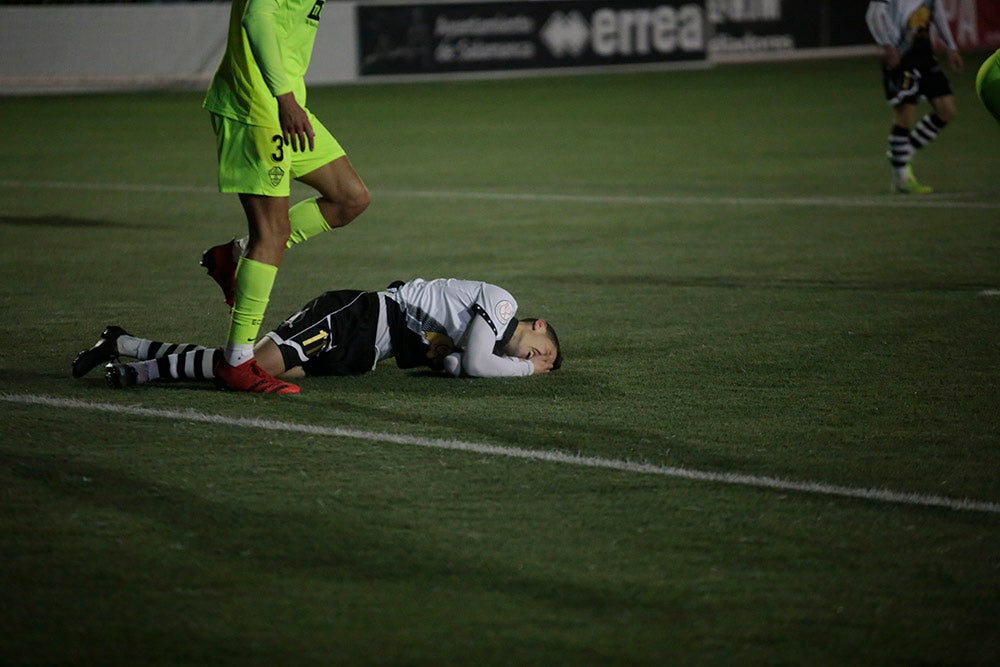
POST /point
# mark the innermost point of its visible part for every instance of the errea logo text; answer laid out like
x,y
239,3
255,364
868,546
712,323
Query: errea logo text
x,y
626,32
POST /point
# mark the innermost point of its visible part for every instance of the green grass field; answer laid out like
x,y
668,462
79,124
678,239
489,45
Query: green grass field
x,y
736,292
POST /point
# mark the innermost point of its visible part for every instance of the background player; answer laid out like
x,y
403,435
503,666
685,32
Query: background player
x,y
910,72
988,84
460,326
265,136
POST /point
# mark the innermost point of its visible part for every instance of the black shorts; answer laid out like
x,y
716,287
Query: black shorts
x,y
334,334
916,78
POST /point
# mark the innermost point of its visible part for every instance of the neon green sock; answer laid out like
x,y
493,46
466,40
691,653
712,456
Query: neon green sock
x,y
254,281
307,221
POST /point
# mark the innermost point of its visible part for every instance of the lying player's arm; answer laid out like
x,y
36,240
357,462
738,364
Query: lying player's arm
x,y
478,360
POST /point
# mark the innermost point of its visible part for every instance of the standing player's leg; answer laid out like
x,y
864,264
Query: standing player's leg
x,y
254,163
267,218
934,85
901,149
944,110
343,196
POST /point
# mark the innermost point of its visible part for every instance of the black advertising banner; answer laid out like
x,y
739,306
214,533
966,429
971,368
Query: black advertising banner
x,y
761,26
497,36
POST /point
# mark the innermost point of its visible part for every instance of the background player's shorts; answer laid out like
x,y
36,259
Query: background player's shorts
x,y
255,160
909,85
334,334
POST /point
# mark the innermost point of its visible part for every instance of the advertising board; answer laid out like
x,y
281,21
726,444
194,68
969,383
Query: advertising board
x,y
503,36
758,27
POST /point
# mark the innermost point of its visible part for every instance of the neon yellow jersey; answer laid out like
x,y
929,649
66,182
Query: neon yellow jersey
x,y
267,54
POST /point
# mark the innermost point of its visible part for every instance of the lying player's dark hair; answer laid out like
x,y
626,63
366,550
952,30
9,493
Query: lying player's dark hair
x,y
551,334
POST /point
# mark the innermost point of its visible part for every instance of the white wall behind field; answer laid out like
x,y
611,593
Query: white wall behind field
x,y
102,47
73,48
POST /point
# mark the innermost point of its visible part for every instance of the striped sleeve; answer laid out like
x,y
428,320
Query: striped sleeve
x,y
941,23
879,23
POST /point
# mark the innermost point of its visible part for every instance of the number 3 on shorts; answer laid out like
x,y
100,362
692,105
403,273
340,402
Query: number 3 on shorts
x,y
279,143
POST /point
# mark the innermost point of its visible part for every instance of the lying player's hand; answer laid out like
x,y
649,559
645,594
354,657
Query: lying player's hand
x,y
543,364
295,125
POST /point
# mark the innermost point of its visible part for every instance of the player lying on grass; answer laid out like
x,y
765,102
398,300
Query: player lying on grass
x,y
459,326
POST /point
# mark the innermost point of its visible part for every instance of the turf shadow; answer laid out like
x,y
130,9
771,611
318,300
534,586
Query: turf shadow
x,y
344,542
65,222
763,283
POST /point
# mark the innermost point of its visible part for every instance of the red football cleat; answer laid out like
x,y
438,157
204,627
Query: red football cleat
x,y
249,376
222,267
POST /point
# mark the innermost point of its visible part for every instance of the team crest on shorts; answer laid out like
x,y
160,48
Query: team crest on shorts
x,y
276,174
504,311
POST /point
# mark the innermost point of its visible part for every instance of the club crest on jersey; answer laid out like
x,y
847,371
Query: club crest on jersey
x,y
276,174
504,311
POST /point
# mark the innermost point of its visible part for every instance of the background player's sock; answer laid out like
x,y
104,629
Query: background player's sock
x,y
254,281
926,130
900,151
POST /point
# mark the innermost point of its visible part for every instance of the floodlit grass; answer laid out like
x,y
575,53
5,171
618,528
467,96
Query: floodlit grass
x,y
736,292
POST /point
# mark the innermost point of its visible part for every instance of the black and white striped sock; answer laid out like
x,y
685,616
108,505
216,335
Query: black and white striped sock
x,y
154,349
900,152
926,130
193,364
900,148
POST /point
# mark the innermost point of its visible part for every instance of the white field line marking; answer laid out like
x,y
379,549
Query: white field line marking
x,y
658,200
888,201
879,495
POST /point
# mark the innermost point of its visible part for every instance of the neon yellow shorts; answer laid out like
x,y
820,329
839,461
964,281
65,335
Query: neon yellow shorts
x,y
255,160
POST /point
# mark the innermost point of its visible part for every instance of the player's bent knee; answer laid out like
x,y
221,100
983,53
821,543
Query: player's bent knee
x,y
356,202
945,108
362,200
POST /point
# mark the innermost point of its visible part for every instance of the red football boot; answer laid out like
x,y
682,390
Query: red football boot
x,y
222,267
248,376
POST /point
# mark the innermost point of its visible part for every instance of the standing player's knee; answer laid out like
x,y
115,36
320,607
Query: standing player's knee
x,y
361,200
354,202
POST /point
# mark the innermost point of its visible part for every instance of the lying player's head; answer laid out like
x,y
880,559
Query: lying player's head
x,y
534,338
